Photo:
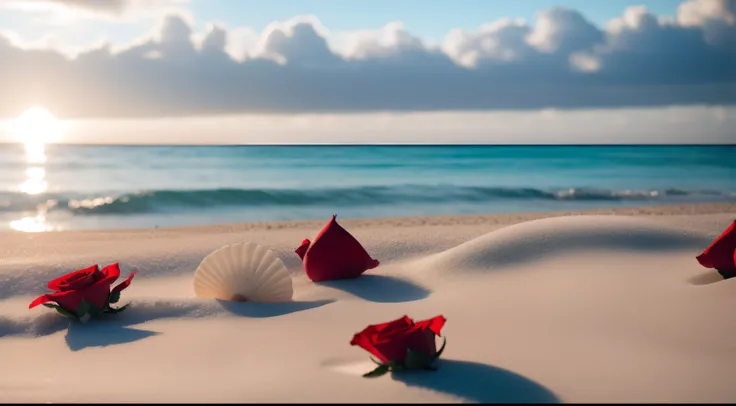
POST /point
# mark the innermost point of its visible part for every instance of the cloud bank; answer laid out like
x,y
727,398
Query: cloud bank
x,y
561,61
105,9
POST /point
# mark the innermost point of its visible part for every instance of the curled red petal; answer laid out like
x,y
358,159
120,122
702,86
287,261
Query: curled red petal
x,y
69,300
436,324
398,324
365,343
704,261
39,300
302,250
111,272
124,284
719,254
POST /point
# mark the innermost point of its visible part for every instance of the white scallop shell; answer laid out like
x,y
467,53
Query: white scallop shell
x,y
243,272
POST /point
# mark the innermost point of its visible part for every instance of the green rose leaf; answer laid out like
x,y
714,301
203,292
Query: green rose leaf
x,y
380,370
377,362
113,298
395,366
60,310
444,343
83,308
111,310
417,360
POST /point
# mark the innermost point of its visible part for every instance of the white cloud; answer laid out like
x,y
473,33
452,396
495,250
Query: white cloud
x,y
241,41
700,12
300,41
563,30
717,19
387,42
650,50
561,60
503,40
557,32
66,10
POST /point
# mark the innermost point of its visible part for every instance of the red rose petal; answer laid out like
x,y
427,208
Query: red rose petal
x,y
124,284
39,300
69,300
436,324
97,294
422,340
704,261
392,350
386,328
302,250
720,254
76,280
364,342
335,254
400,323
111,273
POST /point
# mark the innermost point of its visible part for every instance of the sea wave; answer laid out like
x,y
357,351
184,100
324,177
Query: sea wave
x,y
158,201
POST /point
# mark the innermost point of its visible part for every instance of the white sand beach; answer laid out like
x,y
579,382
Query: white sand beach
x,y
595,306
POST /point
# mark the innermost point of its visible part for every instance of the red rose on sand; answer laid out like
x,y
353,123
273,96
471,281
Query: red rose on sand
x,y
334,254
721,254
402,343
85,292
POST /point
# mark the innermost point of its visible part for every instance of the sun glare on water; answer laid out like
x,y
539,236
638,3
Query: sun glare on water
x,y
35,128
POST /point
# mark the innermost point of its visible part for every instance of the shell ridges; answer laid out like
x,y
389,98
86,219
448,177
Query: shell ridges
x,y
243,272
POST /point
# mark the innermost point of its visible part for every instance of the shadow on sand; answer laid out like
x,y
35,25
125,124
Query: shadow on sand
x,y
114,329
262,310
102,334
379,288
479,383
710,277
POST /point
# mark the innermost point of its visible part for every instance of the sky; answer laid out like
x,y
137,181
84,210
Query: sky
x,y
433,22
336,71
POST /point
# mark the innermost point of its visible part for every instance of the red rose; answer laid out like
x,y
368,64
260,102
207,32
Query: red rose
x,y
90,285
721,254
394,342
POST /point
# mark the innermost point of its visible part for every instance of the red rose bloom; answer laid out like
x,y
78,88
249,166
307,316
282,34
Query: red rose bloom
x,y
91,285
721,254
390,342
334,254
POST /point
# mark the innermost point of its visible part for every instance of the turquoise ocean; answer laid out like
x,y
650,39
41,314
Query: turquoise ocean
x,y
62,187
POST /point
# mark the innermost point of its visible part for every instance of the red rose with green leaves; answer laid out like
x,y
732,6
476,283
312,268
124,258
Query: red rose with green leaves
x,y
401,344
85,293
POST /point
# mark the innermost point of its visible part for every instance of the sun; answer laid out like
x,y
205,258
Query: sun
x,y
37,126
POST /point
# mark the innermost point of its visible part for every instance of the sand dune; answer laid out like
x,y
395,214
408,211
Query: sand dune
x,y
589,307
537,240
